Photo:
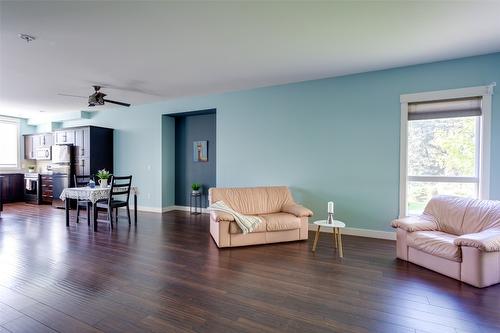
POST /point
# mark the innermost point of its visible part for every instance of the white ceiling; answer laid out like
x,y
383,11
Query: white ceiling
x,y
149,51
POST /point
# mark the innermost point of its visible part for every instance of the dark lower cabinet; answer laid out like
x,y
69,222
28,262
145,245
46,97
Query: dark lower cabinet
x,y
46,186
12,187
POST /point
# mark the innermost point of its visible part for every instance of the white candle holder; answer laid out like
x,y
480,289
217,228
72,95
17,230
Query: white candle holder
x,y
330,218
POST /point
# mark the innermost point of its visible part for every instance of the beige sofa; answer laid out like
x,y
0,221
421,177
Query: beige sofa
x,y
455,236
282,219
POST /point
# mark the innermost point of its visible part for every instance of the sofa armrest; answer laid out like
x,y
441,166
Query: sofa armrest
x,y
218,216
487,240
297,210
416,223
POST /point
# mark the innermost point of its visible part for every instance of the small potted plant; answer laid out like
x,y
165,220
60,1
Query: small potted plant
x,y
196,188
31,168
103,176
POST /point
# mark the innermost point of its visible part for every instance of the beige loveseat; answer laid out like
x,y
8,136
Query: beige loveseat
x,y
282,220
455,236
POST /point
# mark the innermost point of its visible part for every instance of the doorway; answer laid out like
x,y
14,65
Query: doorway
x,y
195,154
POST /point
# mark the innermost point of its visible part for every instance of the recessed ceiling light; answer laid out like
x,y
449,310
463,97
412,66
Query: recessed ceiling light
x,y
27,38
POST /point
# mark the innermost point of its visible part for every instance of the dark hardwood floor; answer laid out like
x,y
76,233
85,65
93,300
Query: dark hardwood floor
x,y
167,275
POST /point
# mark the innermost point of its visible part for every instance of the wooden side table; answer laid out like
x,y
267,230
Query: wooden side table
x,y
337,236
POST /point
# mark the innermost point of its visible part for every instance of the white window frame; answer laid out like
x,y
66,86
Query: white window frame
x,y
485,92
18,123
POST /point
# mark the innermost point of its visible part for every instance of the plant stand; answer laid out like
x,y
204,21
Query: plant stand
x,y
195,204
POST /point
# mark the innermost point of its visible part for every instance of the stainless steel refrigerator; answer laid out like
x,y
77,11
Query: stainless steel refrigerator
x,y
62,171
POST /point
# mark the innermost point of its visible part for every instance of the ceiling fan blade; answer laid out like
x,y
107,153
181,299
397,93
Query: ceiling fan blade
x,y
115,102
133,86
69,95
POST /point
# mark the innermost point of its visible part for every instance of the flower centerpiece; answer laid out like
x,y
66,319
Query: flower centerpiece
x,y
103,176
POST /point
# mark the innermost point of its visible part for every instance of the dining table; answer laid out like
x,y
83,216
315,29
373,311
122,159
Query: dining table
x,y
93,194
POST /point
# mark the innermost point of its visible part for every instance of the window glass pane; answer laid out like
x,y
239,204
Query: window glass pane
x,y
8,144
442,147
419,193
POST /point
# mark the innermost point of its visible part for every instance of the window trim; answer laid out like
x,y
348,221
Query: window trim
x,y
485,92
17,122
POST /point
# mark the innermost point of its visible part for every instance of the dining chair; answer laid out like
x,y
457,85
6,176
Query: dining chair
x,y
82,181
118,197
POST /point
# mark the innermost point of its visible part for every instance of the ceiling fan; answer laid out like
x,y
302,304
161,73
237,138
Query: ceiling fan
x,y
97,98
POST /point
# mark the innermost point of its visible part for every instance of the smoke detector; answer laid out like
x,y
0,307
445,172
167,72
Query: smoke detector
x,y
27,38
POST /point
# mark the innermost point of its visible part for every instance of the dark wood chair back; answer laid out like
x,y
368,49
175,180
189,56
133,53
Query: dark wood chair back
x,y
82,181
120,186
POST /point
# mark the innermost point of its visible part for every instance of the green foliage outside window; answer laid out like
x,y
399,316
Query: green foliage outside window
x,y
440,147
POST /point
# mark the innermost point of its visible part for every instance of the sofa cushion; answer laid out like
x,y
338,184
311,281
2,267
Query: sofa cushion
x,y
436,243
449,212
487,240
480,216
297,210
235,229
281,221
424,222
218,216
253,200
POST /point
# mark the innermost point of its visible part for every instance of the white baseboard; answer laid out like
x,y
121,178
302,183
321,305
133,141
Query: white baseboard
x,y
183,208
346,231
167,209
164,209
147,209
360,232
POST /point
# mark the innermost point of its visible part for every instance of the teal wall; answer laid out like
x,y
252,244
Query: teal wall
x,y
332,139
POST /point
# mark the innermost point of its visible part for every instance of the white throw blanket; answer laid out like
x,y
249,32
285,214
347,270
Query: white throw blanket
x,y
246,223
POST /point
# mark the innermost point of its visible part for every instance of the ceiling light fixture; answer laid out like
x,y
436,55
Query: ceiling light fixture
x,y
27,38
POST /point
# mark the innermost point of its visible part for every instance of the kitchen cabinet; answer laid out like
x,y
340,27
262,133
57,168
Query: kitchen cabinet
x,y
93,149
29,151
46,186
34,146
82,143
34,141
66,136
82,166
44,139
12,187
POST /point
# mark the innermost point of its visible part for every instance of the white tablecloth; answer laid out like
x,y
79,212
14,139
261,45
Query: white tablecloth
x,y
91,194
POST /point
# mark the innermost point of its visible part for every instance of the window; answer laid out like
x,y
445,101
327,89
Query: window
x,y
9,143
444,146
